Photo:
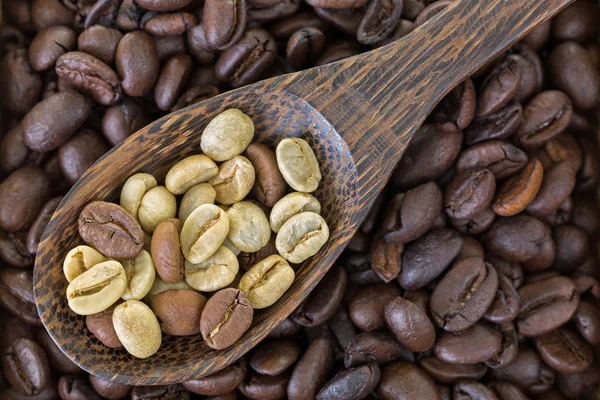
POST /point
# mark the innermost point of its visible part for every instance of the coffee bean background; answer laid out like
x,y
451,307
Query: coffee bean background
x,y
485,238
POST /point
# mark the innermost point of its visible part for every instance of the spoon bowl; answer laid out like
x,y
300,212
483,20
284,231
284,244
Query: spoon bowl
x,y
358,115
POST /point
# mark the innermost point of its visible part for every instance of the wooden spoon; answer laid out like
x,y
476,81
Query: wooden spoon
x,y
358,115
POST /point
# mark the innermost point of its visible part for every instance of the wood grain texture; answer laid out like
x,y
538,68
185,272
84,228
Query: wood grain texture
x,y
358,115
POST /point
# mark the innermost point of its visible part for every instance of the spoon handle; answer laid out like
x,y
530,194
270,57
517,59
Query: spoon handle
x,y
376,101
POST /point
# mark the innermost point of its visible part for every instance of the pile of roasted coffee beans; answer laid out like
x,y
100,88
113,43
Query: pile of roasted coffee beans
x,y
475,274
202,245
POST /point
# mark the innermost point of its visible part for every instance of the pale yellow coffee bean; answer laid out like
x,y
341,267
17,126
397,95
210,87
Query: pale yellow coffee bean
x,y
157,205
302,236
267,281
215,273
298,164
140,274
249,228
227,243
137,328
203,232
290,205
197,195
97,288
234,180
227,135
189,172
160,286
134,190
79,260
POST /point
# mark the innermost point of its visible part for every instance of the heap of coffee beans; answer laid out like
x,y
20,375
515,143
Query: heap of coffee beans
x,y
125,61
202,245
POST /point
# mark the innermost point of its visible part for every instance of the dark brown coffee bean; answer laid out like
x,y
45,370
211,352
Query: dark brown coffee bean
x,y
464,294
573,72
100,42
26,367
248,60
304,46
499,87
13,249
564,351
58,360
257,387
71,387
410,325
274,357
499,125
557,186
49,393
476,225
359,269
564,147
500,157
441,143
409,215
171,81
519,191
102,12
43,131
168,24
111,230
404,381
79,153
546,305
379,21
346,20
336,51
385,259
577,22
367,307
261,12
109,390
102,327
507,391
45,13
178,311
122,120
224,22
547,115
14,154
459,105
517,239
587,176
377,347
572,248
195,94
532,72
286,328
469,193
324,300
269,186
22,196
169,46
355,383
170,392
471,390
528,373
450,373
573,386
21,85
510,347
16,295
137,63
312,370
431,11
129,15
587,322
19,13
342,327
505,306
39,225
200,49
427,257
11,38
474,345
49,45
163,5
470,248
219,383
226,317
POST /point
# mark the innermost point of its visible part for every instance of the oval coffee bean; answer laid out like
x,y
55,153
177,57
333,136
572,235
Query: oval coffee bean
x,y
355,383
171,81
226,317
464,294
410,325
302,236
168,24
21,85
499,87
13,249
502,158
517,239
249,228
304,46
108,389
16,295
72,387
448,374
572,248
189,172
178,311
269,186
42,131
166,251
528,373
274,357
368,306
564,351
22,196
227,135
140,273
370,347
100,42
475,345
298,164
224,22
122,120
49,44
79,153
219,383
101,325
546,305
290,205
519,191
405,381
26,367
499,125
110,229
469,193
312,370
256,387
216,272
137,63
505,306
203,232
267,281
13,152
234,180
587,322
39,225
385,259
379,21
575,22
137,328
557,185
471,390
547,115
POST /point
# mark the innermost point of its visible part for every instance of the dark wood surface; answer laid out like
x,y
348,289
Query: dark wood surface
x,y
358,115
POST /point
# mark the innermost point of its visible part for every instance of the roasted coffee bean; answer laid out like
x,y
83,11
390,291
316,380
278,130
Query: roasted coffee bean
x,y
312,370
49,45
269,186
477,344
22,196
337,51
168,24
71,387
564,147
100,42
517,239
499,125
469,193
519,191
57,358
587,322
260,12
403,381
247,60
546,305
450,373
505,306
380,19
368,347
368,306
355,383
129,15
256,387
532,77
225,318
122,120
13,249
21,84
464,294
564,351
79,153
171,81
475,225
169,392
528,373
17,295
459,105
101,325
224,22
107,389
137,63
274,357
410,325
427,257
14,154
304,46
385,259
556,187
500,157
26,367
572,248
178,311
39,225
573,386
409,215
510,347
219,383
499,87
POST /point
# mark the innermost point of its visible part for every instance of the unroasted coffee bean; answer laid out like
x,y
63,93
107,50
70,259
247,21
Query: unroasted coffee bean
x,y
355,383
178,311
101,325
464,294
224,22
477,344
226,317
450,373
107,389
21,85
22,196
157,205
427,257
219,383
546,305
79,153
302,236
469,193
26,367
122,120
517,193
248,60
409,215
16,295
323,301
368,306
564,351
298,164
71,387
39,225
49,45
137,328
312,370
267,281
216,272
410,324
404,381
499,87
203,232
110,229
42,131
137,63
274,357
